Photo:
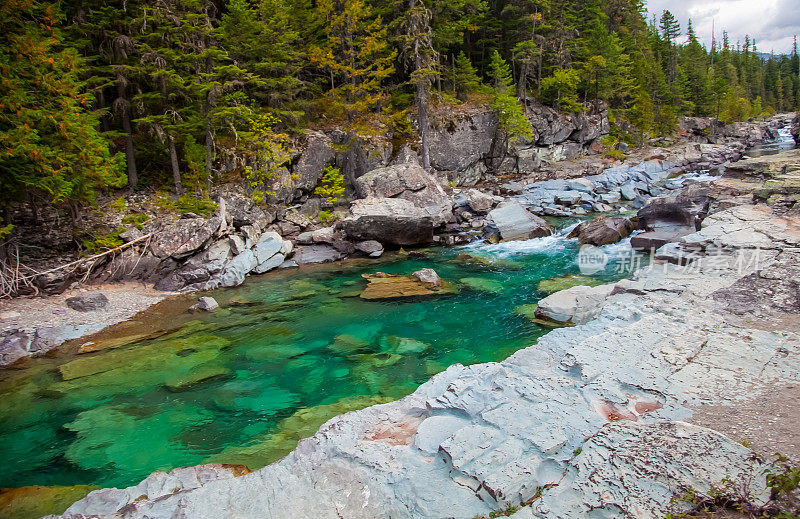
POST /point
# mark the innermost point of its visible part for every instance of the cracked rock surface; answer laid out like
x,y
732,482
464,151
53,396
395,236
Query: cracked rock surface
x,y
588,422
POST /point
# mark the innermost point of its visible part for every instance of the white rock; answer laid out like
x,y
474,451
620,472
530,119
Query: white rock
x,y
576,305
206,304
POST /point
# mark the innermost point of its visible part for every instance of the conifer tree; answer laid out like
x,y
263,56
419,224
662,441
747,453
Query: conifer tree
x,y
356,54
51,147
417,51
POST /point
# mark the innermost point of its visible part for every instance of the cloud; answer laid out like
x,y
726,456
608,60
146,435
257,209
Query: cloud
x,y
773,23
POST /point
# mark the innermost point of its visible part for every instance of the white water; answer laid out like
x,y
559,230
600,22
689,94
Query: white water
x,y
553,244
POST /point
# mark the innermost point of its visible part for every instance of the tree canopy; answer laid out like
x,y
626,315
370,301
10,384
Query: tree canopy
x,y
166,92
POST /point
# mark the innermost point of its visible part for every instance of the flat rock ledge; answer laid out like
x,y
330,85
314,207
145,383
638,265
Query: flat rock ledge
x,y
586,423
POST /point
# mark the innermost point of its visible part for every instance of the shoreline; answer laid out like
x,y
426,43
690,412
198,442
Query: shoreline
x,y
61,325
563,406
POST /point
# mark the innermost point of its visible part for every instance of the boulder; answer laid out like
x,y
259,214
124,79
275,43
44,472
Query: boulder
x,y
460,143
628,191
796,129
235,271
479,202
686,207
267,265
603,230
307,254
581,184
514,222
88,302
576,305
205,304
568,197
660,236
268,245
14,345
317,152
389,220
612,197
371,248
215,257
408,182
324,235
182,238
428,277
305,238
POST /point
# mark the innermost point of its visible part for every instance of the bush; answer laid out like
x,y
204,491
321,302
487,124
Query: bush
x,y
331,186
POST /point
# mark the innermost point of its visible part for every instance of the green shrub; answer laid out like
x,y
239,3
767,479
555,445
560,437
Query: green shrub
x,y
331,186
138,219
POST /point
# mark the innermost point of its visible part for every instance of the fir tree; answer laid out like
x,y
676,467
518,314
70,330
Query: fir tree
x,y
51,146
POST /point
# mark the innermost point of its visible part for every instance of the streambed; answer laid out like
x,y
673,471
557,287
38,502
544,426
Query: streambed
x,y
285,353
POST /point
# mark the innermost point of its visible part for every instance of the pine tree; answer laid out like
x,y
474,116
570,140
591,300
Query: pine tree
x,y
356,54
51,146
464,77
103,35
510,115
417,50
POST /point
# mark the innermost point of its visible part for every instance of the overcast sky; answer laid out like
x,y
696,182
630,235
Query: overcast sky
x,y
773,23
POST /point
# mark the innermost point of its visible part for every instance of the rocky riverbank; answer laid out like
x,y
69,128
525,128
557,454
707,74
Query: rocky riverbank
x,y
397,204
590,420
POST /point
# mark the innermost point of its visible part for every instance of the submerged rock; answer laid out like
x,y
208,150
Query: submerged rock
x,y
482,284
392,286
549,286
37,501
206,304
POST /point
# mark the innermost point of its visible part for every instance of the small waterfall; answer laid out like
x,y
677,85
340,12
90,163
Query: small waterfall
x,y
783,142
554,244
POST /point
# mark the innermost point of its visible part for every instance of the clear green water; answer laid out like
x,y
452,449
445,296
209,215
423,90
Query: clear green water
x,y
304,349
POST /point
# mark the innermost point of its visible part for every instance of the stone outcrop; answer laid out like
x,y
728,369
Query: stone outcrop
x,y
514,222
317,153
407,181
394,221
576,305
462,142
587,422
603,230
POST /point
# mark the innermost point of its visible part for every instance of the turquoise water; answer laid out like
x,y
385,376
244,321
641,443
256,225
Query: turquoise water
x,y
243,384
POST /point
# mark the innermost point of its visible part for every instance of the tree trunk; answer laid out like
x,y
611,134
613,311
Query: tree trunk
x,y
104,119
176,172
422,120
209,152
130,152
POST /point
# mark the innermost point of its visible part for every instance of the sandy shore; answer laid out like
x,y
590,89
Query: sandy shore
x,y
124,301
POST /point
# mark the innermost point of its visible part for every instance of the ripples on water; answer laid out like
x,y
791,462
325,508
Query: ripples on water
x,y
242,385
